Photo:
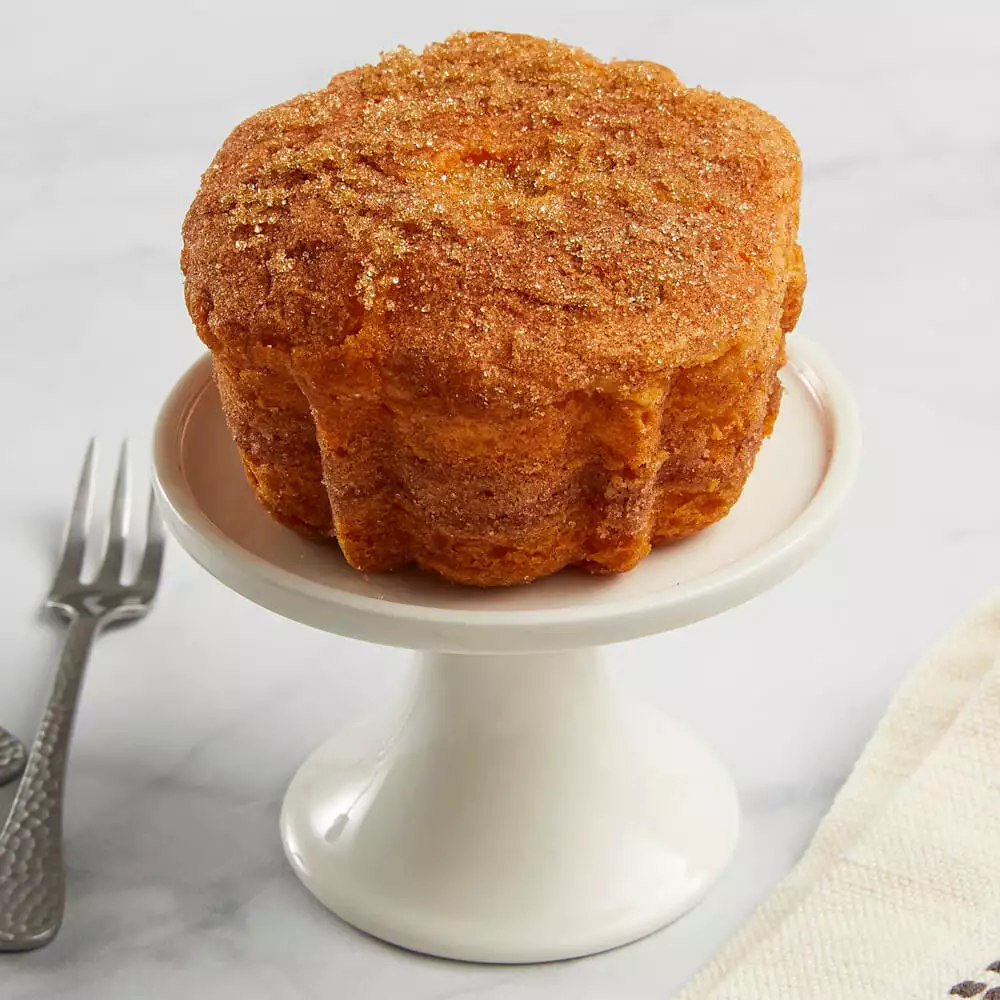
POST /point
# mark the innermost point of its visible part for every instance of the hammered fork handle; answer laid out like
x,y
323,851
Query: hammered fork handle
x,y
32,886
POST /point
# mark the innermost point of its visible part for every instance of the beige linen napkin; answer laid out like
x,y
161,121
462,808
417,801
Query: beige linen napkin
x,y
898,895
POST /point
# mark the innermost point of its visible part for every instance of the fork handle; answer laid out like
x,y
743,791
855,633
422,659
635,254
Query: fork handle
x,y
32,887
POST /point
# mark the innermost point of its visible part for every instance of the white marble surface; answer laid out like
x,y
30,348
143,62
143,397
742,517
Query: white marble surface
x,y
193,722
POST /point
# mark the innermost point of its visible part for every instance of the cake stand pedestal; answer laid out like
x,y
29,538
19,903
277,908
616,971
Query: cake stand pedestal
x,y
514,805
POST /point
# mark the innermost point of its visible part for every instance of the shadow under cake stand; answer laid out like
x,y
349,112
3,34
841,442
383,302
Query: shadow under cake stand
x,y
514,806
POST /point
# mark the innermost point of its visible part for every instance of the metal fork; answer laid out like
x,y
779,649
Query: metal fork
x,y
32,886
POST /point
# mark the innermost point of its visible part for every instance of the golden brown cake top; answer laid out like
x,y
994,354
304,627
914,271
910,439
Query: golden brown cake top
x,y
498,217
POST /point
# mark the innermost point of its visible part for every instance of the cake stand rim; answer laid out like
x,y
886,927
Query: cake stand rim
x,y
424,626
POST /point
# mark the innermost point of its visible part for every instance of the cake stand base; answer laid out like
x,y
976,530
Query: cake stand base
x,y
515,808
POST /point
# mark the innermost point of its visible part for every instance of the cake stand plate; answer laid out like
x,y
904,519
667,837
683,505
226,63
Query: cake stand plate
x,y
513,806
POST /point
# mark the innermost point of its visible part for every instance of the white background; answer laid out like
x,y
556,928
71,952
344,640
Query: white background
x,y
193,721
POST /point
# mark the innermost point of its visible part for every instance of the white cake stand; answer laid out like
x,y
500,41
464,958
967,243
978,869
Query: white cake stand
x,y
514,807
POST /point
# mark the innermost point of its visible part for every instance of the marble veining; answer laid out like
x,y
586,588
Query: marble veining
x,y
193,722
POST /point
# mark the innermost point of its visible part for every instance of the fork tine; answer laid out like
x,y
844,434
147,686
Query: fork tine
x,y
114,556
78,526
152,558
